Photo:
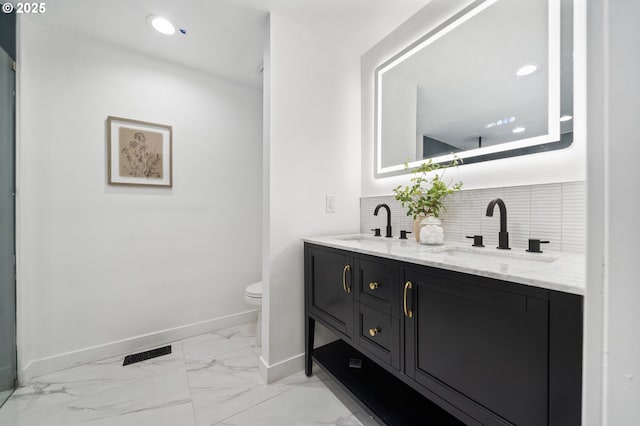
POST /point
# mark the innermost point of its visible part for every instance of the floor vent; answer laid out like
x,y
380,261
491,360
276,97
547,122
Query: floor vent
x,y
143,356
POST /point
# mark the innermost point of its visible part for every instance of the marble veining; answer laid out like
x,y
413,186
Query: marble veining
x,y
210,379
561,271
280,409
69,385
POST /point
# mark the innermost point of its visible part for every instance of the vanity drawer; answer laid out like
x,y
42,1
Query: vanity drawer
x,y
378,285
379,333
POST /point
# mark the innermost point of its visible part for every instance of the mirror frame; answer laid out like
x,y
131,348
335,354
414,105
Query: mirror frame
x,y
553,140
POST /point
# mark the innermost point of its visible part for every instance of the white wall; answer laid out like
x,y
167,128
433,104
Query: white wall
x,y
313,145
98,265
557,166
613,318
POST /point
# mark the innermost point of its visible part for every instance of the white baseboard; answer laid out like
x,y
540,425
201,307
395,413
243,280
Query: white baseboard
x,y
282,369
66,360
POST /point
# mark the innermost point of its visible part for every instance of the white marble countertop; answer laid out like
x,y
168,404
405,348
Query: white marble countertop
x,y
550,270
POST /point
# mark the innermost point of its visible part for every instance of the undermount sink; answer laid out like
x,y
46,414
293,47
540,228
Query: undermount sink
x,y
364,237
356,237
511,258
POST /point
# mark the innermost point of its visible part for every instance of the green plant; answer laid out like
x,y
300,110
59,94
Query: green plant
x,y
427,191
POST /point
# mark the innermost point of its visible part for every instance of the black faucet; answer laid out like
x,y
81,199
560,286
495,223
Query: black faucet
x,y
503,235
375,213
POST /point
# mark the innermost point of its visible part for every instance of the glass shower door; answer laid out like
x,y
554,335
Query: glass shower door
x,y
7,229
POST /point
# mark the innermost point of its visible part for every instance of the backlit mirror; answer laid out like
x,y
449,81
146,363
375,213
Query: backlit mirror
x,y
493,81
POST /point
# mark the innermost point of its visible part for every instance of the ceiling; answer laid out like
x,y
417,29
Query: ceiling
x,y
226,37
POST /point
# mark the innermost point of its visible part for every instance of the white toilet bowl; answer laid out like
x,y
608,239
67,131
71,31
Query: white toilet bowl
x,y
253,296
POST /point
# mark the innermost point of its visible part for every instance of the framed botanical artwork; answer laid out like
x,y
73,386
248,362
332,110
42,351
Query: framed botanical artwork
x,y
139,152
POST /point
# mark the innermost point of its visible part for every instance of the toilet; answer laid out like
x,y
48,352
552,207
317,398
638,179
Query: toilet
x,y
253,296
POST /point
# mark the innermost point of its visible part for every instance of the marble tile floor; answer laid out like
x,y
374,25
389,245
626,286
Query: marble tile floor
x,y
211,379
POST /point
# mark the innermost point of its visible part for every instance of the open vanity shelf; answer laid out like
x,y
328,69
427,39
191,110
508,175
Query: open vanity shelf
x,y
386,398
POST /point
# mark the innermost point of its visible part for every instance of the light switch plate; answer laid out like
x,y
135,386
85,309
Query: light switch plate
x,y
330,203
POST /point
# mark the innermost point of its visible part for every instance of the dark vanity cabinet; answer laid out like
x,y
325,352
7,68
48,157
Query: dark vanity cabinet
x,y
377,315
329,274
355,298
484,342
486,351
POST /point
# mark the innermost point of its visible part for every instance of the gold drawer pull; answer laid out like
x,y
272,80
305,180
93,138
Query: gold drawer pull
x,y
346,288
374,331
373,286
407,312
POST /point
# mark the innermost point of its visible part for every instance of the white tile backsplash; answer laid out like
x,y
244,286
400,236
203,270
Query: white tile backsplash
x,y
554,212
573,217
546,214
518,202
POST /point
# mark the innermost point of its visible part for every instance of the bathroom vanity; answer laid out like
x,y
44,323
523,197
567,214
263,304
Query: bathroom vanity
x,y
473,335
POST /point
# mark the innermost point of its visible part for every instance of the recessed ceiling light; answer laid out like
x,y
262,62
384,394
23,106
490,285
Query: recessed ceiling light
x,y
518,130
566,117
162,25
526,70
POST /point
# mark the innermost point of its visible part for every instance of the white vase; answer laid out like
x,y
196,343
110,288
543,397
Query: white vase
x,y
431,231
417,224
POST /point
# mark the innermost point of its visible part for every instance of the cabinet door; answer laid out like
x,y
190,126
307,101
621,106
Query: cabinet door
x,y
479,344
329,275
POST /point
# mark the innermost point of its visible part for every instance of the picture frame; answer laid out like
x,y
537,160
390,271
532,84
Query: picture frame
x,y
139,152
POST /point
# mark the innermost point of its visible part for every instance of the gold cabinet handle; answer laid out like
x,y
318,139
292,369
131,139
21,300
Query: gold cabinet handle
x,y
373,286
374,331
407,312
346,288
